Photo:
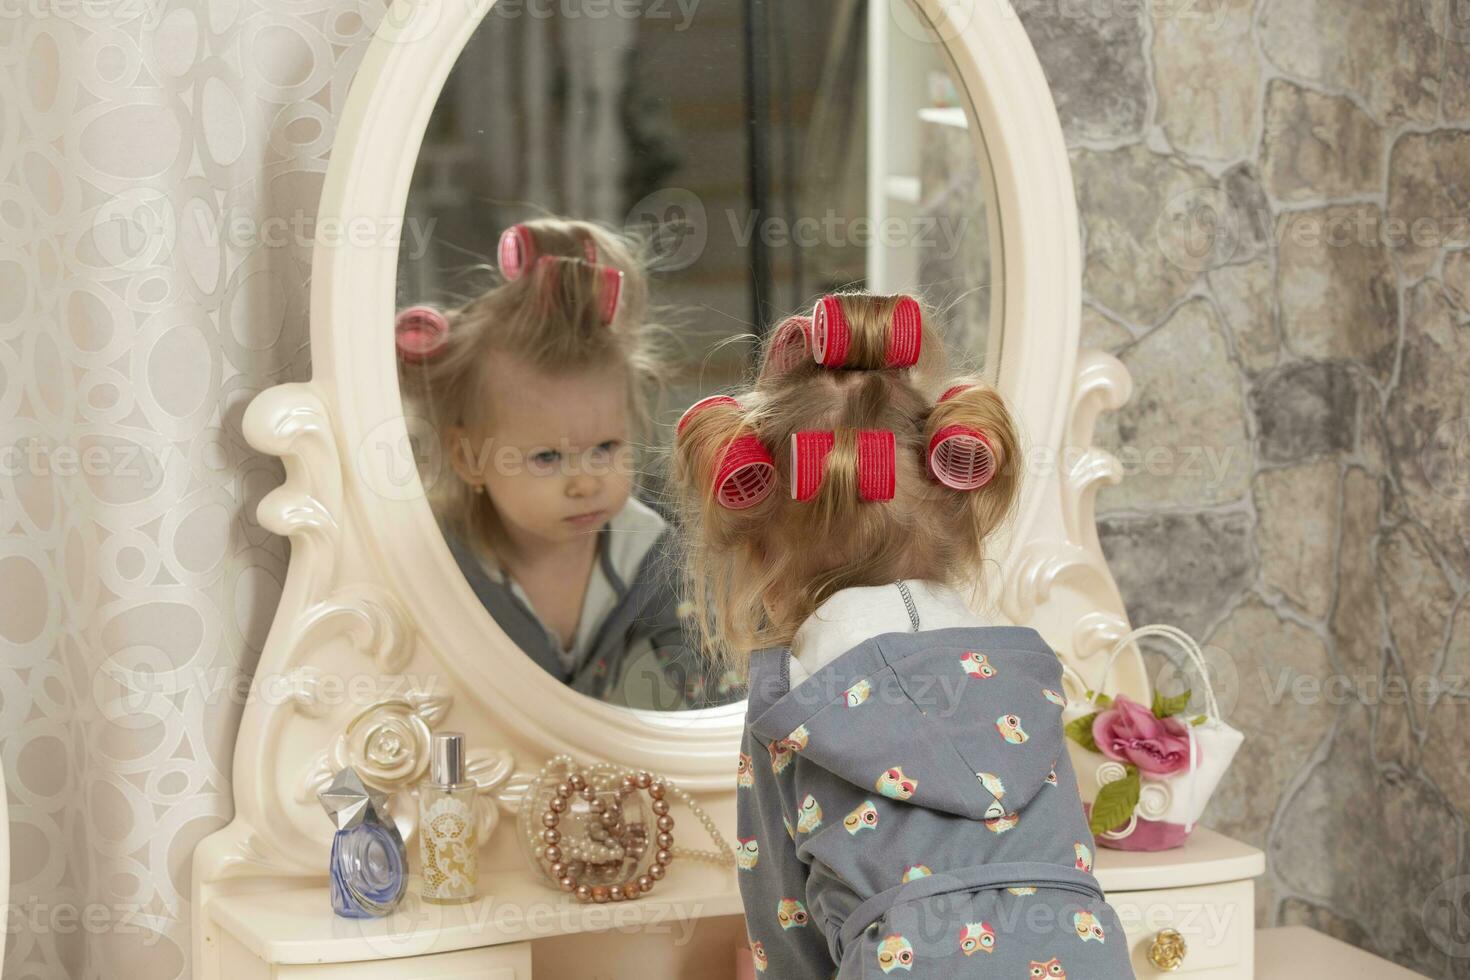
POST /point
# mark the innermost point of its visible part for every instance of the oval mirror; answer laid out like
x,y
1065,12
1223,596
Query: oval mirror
x,y
757,155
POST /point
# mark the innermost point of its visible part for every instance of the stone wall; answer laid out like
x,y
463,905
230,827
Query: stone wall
x,y
1275,199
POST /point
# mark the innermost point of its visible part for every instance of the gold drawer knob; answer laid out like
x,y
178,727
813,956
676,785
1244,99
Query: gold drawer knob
x,y
1167,952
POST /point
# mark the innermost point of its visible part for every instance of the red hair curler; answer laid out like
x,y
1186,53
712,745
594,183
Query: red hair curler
x,y
420,333
831,333
746,473
877,475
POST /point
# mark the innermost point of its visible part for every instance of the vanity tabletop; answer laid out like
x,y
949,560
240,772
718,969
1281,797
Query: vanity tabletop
x,y
1299,953
1205,858
297,925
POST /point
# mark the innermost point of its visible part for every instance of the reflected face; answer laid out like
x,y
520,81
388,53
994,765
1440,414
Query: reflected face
x,y
555,459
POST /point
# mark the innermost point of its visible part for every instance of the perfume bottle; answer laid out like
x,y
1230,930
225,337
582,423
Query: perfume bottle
x,y
448,837
369,864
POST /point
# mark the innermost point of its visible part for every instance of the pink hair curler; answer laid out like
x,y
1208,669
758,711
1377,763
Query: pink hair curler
x,y
790,345
612,282
831,333
961,458
701,405
877,476
746,472
746,475
420,333
951,392
516,252
612,292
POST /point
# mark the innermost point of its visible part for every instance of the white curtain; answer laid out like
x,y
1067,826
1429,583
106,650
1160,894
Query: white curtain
x,y
160,164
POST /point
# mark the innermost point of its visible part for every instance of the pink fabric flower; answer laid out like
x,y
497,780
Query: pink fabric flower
x,y
1129,732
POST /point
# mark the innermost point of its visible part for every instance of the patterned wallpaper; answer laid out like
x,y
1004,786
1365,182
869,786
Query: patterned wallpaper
x,y
1274,218
160,163
1275,197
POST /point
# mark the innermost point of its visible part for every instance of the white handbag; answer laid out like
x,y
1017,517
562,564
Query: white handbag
x,y
1168,806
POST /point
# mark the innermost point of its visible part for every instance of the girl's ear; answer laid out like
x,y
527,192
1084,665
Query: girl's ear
x,y
465,457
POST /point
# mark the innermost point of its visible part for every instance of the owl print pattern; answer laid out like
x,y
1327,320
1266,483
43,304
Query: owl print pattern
x,y
925,775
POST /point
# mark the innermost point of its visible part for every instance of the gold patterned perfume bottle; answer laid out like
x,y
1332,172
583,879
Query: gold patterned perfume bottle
x,y
448,841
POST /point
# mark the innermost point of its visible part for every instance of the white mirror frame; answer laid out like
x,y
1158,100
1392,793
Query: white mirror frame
x,y
373,596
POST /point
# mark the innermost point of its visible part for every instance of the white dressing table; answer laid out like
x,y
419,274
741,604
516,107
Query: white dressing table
x,y
373,596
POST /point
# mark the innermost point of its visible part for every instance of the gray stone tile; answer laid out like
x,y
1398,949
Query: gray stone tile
x,y
1092,55
1181,437
1179,568
1429,421
1304,410
1206,67
1297,511
1342,46
1428,204
1152,224
1318,146
1339,296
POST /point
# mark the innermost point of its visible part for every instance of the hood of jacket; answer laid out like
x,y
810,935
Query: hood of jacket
x,y
961,719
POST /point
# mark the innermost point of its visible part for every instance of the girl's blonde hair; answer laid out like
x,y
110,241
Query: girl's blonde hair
x,y
551,318
801,552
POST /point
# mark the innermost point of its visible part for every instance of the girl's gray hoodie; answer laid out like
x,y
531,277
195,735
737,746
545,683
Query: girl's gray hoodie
x,y
909,807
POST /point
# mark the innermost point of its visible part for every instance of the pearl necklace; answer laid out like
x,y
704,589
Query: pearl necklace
x,y
568,860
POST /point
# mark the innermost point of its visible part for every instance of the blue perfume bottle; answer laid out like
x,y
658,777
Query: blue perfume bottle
x,y
369,863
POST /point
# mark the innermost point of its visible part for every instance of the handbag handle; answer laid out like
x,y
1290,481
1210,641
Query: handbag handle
x,y
1183,639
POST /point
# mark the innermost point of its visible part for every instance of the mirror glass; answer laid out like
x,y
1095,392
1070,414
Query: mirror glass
x,y
765,153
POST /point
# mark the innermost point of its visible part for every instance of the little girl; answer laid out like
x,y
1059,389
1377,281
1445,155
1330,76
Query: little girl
x,y
534,390
904,799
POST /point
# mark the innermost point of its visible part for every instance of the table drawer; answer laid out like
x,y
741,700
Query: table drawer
x,y
1217,923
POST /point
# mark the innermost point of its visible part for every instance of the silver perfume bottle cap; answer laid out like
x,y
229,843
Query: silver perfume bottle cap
x,y
446,766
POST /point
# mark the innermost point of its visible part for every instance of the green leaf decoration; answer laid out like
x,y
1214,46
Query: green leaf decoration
x,y
1114,803
1164,707
1079,730
1197,720
1103,700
